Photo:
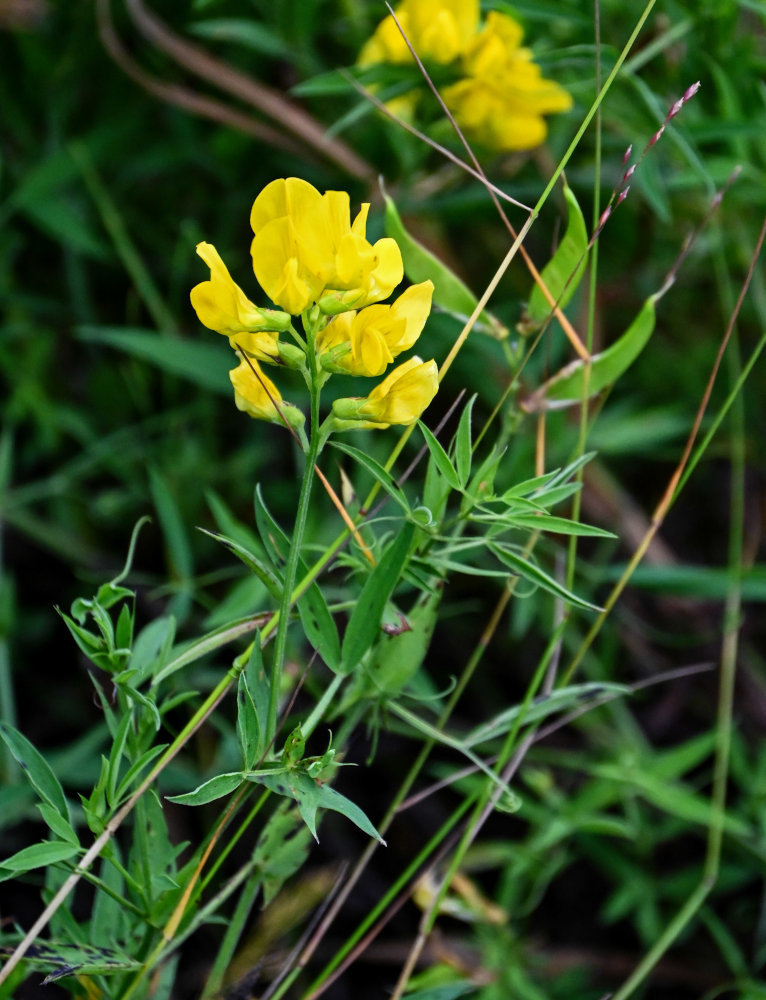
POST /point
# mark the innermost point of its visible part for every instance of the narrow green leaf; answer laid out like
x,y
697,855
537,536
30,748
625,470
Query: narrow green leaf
x,y
115,756
318,624
530,571
258,686
376,470
563,271
440,457
209,791
568,385
248,727
242,31
36,768
37,856
364,625
203,362
281,850
73,960
268,577
450,293
311,795
559,700
560,525
463,456
135,770
274,538
58,825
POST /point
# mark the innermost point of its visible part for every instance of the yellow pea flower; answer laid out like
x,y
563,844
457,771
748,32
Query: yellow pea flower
x,y
307,250
221,305
399,399
366,342
438,30
504,96
256,395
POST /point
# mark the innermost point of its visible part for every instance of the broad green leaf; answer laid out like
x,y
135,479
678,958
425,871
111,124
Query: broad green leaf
x,y
364,625
563,271
203,362
440,457
37,856
36,768
376,470
463,455
450,293
254,562
209,791
398,657
74,960
569,385
530,571
281,850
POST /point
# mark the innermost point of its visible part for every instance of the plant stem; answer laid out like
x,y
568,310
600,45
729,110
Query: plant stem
x,y
293,558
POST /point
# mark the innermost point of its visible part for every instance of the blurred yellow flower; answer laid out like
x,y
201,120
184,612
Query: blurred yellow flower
x,y
256,395
438,31
221,305
399,399
306,250
504,96
366,342
500,96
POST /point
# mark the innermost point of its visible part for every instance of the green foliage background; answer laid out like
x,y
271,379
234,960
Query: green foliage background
x,y
116,404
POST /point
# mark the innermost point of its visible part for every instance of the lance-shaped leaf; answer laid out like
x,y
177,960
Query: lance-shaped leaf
x,y
575,381
450,293
562,274
364,624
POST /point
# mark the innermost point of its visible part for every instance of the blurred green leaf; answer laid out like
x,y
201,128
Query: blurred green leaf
x,y
562,274
203,362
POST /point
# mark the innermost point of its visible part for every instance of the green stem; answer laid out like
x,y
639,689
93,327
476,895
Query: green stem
x,y
293,558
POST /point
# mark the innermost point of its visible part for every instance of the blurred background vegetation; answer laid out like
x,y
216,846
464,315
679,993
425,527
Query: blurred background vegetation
x,y
120,151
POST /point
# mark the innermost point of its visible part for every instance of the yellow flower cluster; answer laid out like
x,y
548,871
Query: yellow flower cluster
x,y
501,96
313,261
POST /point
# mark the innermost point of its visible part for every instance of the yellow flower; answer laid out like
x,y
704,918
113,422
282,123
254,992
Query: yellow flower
x,y
399,399
221,305
306,250
438,30
366,342
504,96
256,395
